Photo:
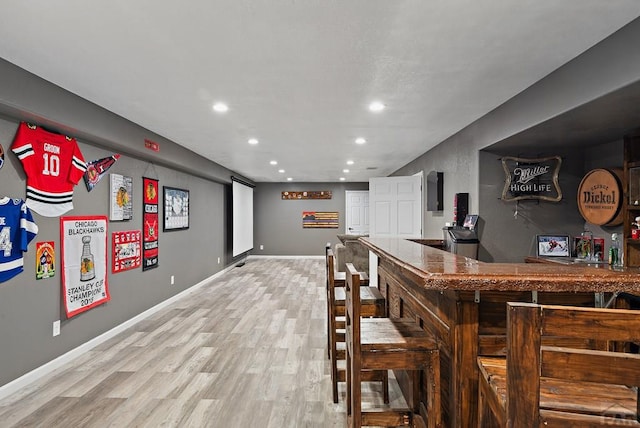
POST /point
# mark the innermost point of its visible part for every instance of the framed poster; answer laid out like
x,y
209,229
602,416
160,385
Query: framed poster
x,y
176,208
84,263
125,250
150,226
120,197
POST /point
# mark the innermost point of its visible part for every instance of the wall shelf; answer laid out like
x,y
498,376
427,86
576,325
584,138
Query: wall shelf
x,y
631,194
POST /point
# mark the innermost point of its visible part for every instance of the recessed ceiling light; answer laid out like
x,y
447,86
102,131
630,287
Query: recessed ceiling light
x,y
345,170
252,141
360,140
350,162
274,162
220,107
281,171
376,106
289,179
342,178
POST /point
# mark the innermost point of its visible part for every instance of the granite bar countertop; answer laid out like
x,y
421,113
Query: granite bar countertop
x,y
440,270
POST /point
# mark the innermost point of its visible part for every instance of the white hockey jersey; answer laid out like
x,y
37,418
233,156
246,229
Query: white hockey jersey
x,y
53,164
17,229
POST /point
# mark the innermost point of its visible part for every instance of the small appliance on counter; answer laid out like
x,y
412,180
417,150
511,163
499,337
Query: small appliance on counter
x,y
462,240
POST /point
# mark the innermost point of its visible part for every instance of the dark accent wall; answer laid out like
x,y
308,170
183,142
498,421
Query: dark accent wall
x,y
563,114
509,228
278,223
516,224
28,307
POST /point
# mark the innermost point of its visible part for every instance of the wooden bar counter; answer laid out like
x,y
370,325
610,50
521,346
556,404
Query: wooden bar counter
x,y
463,303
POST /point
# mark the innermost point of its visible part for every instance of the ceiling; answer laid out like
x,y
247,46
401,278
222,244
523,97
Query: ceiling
x,y
298,75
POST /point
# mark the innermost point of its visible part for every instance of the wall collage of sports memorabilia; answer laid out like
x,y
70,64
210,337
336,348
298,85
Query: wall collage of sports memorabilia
x,y
54,165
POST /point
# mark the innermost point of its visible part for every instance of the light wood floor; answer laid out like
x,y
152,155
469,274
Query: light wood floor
x,y
246,350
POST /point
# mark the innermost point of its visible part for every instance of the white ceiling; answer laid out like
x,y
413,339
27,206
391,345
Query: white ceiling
x,y
298,74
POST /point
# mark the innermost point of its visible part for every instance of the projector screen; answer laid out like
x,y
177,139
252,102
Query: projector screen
x,y
242,196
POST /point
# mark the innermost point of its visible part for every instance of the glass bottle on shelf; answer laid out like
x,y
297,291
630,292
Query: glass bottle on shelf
x,y
87,267
615,256
620,253
586,244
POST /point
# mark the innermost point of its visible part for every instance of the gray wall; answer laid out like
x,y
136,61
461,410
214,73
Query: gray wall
x,y
607,67
278,223
28,97
28,307
507,237
515,224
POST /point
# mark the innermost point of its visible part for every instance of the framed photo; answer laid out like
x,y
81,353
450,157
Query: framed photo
x,y
553,245
470,221
176,208
126,250
121,197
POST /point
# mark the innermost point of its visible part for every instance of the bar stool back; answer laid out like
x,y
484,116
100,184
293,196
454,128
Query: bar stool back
x,y
373,305
388,344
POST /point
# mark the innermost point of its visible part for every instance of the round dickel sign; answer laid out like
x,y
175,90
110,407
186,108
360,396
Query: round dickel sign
x,y
600,197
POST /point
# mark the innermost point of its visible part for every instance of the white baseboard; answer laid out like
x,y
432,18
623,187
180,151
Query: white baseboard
x,y
286,257
63,359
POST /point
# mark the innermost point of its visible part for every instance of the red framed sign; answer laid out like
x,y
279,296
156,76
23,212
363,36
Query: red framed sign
x,y
150,226
84,263
125,250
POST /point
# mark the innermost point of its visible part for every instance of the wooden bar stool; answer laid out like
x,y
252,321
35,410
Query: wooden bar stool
x,y
538,385
388,344
373,306
338,280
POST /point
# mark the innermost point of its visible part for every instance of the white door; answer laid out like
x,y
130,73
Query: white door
x,y
395,211
357,212
396,206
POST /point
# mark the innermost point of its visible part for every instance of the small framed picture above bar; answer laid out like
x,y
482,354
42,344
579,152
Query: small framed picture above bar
x,y
319,194
553,246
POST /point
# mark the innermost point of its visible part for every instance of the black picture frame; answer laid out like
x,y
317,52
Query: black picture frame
x,y
553,246
470,221
176,208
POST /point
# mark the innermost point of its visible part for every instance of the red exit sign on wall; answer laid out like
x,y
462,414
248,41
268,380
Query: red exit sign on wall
x,y
151,145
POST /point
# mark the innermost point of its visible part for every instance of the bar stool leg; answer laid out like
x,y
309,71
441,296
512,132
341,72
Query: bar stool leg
x,y
434,401
349,392
355,392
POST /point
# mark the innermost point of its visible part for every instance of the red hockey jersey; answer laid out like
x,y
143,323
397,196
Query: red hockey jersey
x,y
53,164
